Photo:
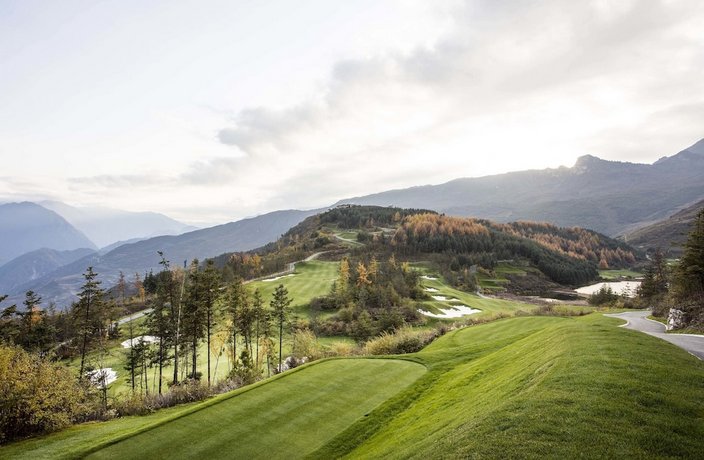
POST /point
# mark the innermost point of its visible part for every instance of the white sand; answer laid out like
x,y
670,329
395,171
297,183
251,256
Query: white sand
x,y
454,311
442,297
278,278
426,277
142,338
429,289
96,376
619,287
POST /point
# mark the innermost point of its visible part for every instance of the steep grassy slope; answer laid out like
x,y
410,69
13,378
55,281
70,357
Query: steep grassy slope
x,y
561,388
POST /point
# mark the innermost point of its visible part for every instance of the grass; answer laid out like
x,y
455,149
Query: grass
x,y
542,387
297,412
490,307
525,387
618,274
311,279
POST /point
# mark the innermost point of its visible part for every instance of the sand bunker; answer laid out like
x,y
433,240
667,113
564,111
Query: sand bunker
x,y
97,376
428,289
454,311
278,278
442,297
142,338
426,277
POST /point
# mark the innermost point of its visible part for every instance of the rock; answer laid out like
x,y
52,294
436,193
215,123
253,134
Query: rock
x,y
675,319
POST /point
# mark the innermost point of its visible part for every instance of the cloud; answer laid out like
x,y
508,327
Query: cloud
x,y
597,61
111,181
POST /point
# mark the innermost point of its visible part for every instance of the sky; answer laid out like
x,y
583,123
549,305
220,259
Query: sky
x,y
211,111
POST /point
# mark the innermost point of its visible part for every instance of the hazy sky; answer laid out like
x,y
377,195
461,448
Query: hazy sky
x,y
210,111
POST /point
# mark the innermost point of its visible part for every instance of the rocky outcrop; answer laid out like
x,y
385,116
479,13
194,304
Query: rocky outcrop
x,y
675,319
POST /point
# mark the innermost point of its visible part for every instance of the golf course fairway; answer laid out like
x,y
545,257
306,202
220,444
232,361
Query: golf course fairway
x,y
289,417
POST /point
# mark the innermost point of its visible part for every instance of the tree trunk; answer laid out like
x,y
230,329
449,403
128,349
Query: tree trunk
x,y
281,342
208,346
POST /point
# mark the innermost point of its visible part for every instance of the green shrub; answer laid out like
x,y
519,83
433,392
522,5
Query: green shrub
x,y
404,340
38,396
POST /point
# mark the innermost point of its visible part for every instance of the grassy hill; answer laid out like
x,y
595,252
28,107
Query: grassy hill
x,y
526,387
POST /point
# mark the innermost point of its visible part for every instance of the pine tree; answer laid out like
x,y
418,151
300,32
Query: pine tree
x,y
258,308
88,311
689,276
280,306
211,283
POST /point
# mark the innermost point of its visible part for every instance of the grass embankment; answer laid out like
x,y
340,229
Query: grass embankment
x,y
291,415
542,387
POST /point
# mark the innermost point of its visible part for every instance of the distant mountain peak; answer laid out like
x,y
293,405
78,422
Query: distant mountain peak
x,y
697,148
587,161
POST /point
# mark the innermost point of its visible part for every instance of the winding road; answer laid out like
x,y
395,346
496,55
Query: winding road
x,y
637,321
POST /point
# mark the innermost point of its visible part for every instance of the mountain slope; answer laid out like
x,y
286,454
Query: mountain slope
x,y
36,264
669,234
25,227
106,226
607,196
140,257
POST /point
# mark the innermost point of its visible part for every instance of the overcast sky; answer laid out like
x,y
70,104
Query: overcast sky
x,y
210,111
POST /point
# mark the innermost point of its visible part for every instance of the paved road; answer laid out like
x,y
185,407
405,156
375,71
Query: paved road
x,y
134,316
637,321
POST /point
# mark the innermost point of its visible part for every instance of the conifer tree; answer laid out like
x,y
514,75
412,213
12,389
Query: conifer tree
x,y
280,306
689,276
88,311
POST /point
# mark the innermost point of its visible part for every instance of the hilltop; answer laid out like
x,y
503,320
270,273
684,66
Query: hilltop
x,y
610,197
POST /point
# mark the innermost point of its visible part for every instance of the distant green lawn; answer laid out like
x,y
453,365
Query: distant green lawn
x,y
310,279
490,307
616,274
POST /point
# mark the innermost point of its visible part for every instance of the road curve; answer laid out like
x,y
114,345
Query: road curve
x,y
637,321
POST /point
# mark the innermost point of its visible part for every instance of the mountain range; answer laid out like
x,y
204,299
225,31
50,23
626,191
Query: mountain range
x,y
669,235
61,284
26,227
106,226
610,197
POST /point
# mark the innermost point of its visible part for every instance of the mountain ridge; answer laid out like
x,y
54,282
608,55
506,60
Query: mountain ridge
x,y
611,197
26,226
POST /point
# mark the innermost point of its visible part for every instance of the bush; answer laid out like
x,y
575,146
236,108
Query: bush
x,y
305,345
343,349
189,391
38,396
404,340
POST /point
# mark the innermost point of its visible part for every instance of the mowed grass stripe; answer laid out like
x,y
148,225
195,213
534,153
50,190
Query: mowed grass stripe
x,y
311,279
565,388
289,417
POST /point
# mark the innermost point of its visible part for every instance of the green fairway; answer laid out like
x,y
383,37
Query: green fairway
x,y
288,417
490,307
617,274
310,279
543,387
